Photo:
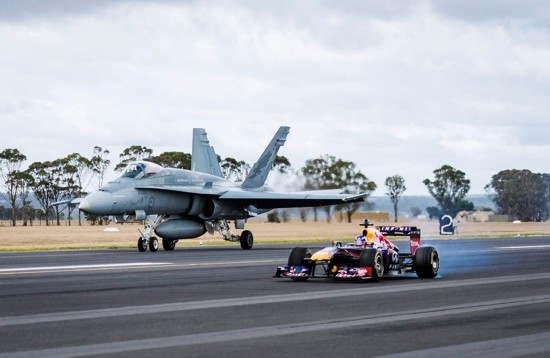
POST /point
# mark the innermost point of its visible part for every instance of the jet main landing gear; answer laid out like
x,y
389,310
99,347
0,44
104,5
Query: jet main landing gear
x,y
246,239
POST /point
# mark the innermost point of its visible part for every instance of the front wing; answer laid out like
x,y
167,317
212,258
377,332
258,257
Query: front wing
x,y
304,272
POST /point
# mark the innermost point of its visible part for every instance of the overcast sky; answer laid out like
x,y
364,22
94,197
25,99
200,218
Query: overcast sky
x,y
398,87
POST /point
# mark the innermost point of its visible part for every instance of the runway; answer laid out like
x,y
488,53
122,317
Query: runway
x,y
492,298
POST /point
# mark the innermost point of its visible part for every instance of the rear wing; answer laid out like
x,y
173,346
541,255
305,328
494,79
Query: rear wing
x,y
411,231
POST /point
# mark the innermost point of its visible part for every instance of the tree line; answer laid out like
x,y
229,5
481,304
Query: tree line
x,y
74,175
521,194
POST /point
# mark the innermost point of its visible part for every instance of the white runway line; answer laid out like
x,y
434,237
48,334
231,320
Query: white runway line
x,y
524,247
77,267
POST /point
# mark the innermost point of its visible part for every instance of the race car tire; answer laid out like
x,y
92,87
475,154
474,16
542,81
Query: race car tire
x,y
247,240
296,258
426,262
373,259
168,245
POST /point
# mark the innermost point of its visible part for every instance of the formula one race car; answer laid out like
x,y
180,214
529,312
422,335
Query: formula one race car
x,y
368,260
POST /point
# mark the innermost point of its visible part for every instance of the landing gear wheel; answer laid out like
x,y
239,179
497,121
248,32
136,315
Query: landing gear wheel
x,y
153,244
247,240
373,259
168,245
426,262
142,245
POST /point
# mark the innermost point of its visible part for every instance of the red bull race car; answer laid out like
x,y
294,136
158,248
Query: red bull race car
x,y
370,256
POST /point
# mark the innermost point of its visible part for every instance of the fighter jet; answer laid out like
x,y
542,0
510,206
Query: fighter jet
x,y
186,204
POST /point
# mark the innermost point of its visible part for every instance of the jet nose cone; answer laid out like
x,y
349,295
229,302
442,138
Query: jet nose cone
x,y
84,206
97,203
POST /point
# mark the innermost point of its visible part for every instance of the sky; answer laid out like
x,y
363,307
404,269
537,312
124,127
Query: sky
x,y
397,87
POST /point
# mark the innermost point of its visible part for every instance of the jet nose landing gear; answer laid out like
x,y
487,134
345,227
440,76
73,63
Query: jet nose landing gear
x,y
147,239
153,244
142,244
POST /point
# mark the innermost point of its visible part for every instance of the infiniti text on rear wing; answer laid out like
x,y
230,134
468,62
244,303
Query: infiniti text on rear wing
x,y
411,231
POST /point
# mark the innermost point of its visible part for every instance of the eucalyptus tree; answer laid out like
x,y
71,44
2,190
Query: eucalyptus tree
x,y
314,172
77,172
43,183
24,180
178,160
395,187
354,182
328,172
132,154
233,169
521,194
282,164
449,188
53,181
99,163
11,161
82,169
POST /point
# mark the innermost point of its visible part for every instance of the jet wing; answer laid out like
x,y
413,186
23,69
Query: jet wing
x,y
273,200
264,199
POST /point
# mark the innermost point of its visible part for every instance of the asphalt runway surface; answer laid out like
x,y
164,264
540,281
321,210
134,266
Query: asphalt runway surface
x,y
491,299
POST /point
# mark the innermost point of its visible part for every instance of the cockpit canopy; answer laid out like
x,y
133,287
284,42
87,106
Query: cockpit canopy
x,y
140,169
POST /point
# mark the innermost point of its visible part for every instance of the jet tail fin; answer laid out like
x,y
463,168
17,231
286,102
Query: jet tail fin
x,y
203,157
262,167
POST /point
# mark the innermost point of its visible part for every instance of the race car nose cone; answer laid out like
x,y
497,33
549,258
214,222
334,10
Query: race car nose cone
x,y
97,203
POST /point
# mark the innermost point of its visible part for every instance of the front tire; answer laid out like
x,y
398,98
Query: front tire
x,y
142,245
296,258
426,262
247,240
373,259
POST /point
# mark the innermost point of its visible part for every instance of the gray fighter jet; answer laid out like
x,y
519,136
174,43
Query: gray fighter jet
x,y
188,203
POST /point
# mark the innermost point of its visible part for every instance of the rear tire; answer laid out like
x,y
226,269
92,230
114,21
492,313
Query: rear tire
x,y
168,245
247,240
373,259
296,258
426,262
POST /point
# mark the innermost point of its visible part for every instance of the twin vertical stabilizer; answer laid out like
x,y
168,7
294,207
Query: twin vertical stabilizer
x,y
258,175
205,160
203,157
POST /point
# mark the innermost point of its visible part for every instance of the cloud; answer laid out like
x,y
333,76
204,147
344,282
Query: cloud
x,y
399,89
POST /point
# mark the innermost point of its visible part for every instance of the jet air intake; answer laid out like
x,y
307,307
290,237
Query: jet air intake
x,y
214,209
180,229
210,209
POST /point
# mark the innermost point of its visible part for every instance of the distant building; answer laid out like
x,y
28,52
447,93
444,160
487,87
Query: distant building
x,y
474,216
